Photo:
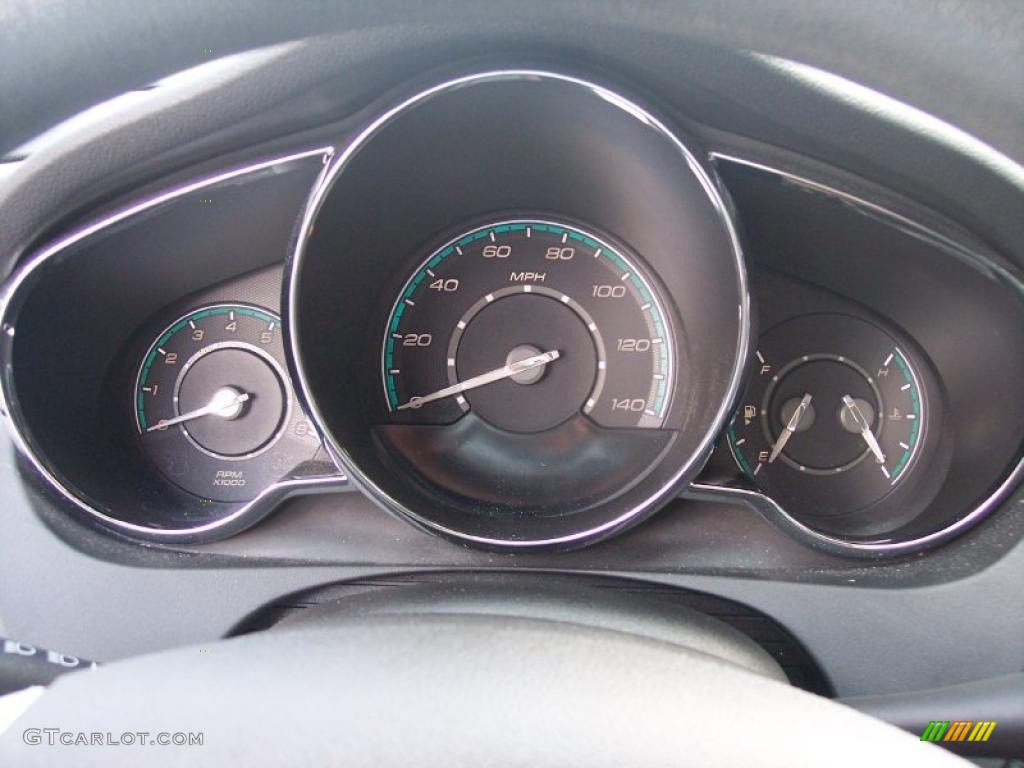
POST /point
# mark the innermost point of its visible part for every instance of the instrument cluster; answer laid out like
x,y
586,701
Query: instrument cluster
x,y
518,339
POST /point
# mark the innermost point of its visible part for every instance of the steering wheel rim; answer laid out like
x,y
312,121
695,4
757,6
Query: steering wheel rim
x,y
454,689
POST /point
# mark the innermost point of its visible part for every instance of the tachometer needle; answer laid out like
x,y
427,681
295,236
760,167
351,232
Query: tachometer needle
x,y
226,403
791,425
865,428
505,372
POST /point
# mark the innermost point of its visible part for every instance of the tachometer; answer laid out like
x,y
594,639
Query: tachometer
x,y
528,323
213,406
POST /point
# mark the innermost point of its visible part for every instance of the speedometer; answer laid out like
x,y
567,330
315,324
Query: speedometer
x,y
528,323
508,334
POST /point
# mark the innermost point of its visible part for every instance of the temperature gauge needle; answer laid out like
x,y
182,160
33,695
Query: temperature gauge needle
x,y
505,372
226,403
791,425
865,428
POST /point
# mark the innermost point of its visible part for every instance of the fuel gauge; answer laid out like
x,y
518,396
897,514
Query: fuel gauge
x,y
832,418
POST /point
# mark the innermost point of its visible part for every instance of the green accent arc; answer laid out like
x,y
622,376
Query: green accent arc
x,y
607,252
147,363
915,428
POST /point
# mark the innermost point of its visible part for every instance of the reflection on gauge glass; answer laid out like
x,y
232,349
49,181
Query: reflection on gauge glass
x,y
833,416
213,407
527,324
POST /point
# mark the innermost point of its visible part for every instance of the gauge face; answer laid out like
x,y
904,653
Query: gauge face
x,y
213,407
543,378
832,418
527,324
528,364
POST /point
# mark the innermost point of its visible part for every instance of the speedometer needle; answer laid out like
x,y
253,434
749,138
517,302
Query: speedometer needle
x,y
505,372
865,429
791,425
226,403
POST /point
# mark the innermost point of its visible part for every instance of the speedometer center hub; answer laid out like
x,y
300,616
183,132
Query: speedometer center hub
x,y
518,355
523,322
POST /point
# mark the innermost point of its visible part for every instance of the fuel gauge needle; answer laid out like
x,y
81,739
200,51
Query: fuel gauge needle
x,y
791,425
865,429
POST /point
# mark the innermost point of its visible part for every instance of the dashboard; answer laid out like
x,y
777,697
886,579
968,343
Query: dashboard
x,y
573,334
518,318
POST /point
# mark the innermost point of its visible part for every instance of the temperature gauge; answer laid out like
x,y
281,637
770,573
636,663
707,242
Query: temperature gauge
x,y
832,418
